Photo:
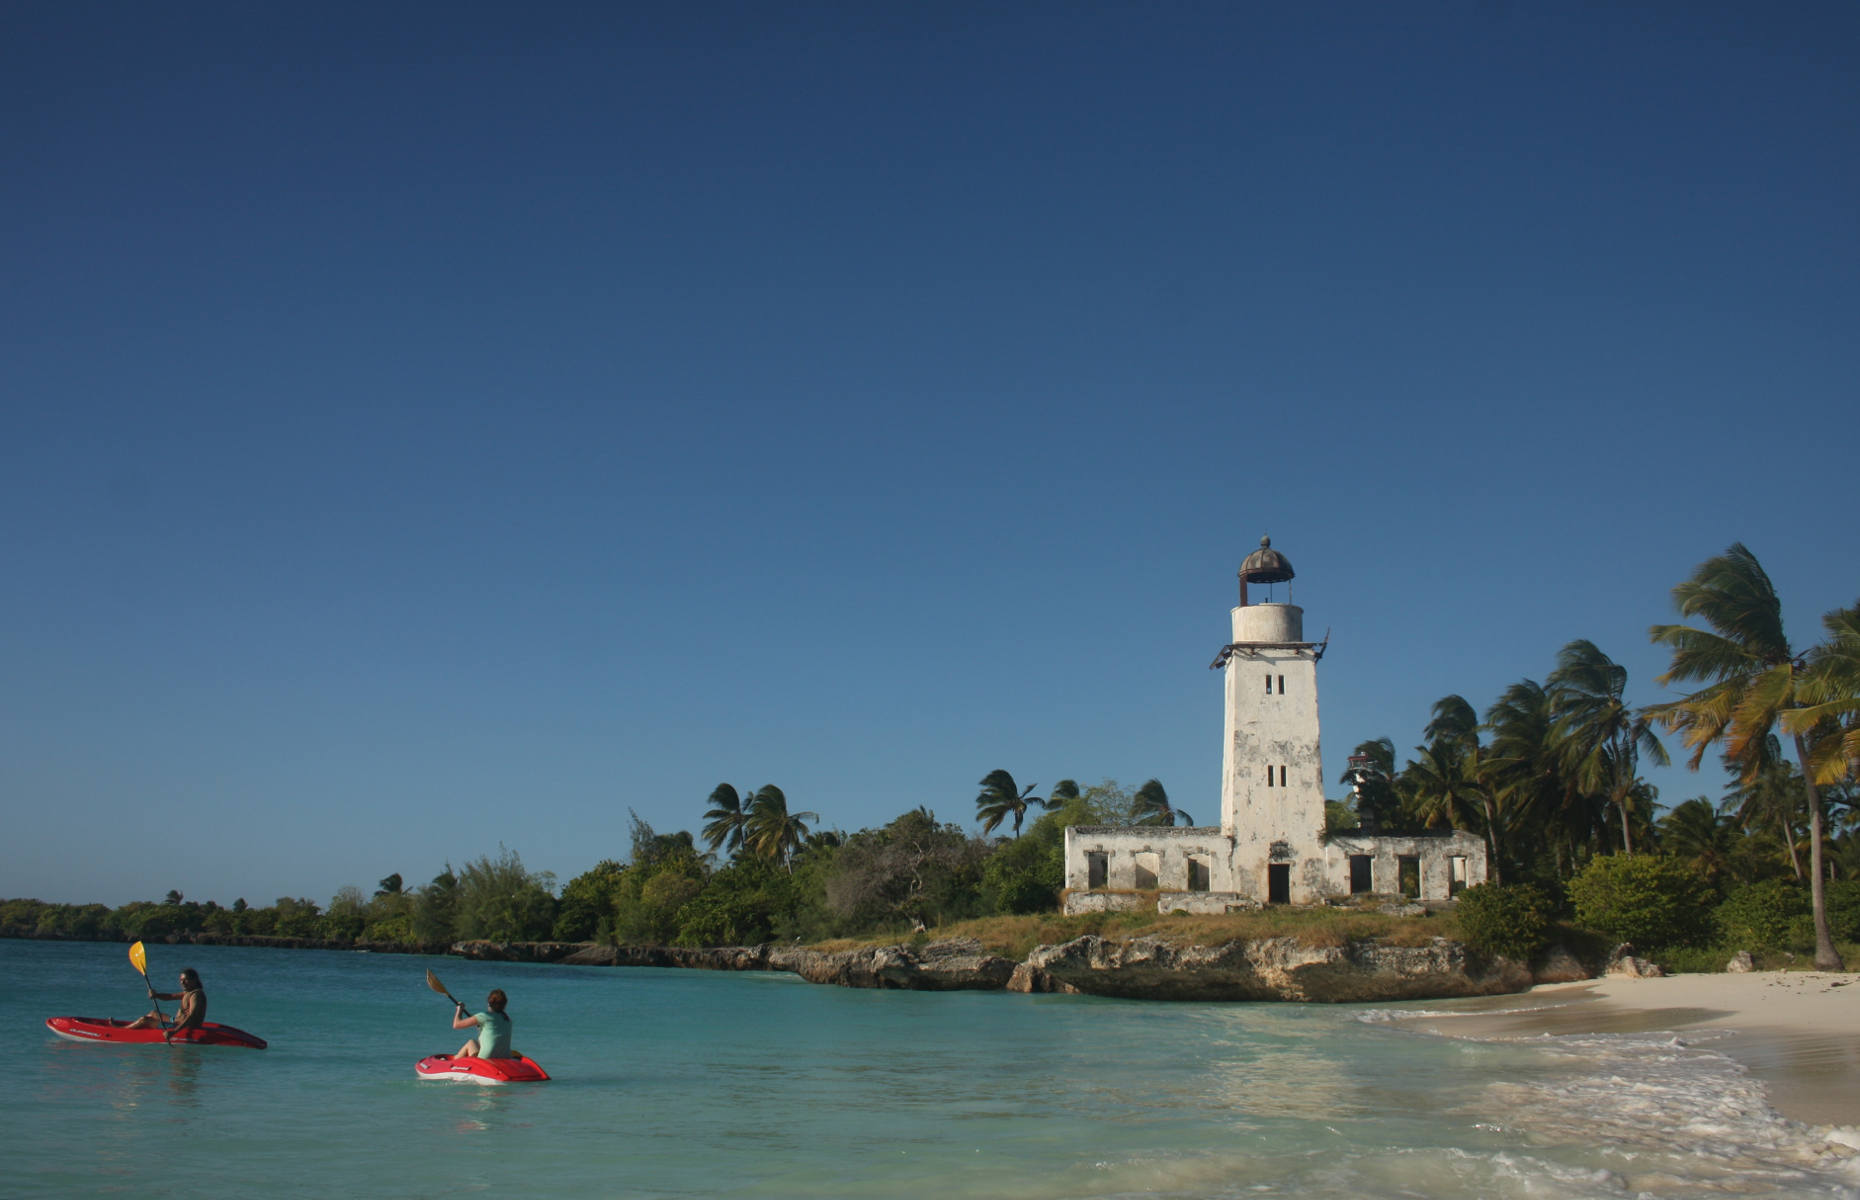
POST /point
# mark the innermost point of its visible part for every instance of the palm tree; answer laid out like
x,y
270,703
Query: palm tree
x,y
1601,738
727,818
822,839
1150,806
1769,794
1441,790
1461,775
1446,785
1064,790
1371,776
1751,680
771,830
1001,798
1830,693
1697,833
1525,769
1453,720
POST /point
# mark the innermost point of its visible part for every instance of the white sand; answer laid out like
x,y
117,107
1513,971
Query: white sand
x,y
1797,1031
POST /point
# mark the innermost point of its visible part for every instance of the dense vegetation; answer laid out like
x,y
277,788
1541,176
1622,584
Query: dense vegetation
x,y
1549,777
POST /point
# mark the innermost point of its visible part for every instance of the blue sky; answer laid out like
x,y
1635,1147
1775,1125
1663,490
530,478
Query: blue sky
x,y
432,427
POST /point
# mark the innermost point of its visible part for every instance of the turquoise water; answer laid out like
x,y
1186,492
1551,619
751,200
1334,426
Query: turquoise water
x,y
698,1084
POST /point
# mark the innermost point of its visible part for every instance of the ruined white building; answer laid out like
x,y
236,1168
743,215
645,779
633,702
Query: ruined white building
x,y
1270,846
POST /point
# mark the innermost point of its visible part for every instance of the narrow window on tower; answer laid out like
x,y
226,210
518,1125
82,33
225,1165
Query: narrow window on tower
x,y
1268,776
1281,776
1281,685
1269,684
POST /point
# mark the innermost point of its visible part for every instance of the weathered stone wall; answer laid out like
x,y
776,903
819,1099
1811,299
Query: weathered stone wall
x,y
1435,853
1171,846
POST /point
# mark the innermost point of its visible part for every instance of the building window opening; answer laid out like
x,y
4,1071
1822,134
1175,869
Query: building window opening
x,y
1146,866
1269,685
1278,883
1456,874
1408,870
1096,870
1281,776
1198,875
1281,685
1360,875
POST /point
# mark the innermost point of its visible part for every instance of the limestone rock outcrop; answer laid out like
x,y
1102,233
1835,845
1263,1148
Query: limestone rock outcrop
x,y
958,964
1277,969
1143,968
1558,965
950,965
1623,963
534,952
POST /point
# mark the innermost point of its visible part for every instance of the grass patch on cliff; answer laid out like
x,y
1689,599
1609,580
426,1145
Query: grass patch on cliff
x,y
1017,937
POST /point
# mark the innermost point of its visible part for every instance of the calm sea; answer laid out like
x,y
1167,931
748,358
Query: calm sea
x,y
698,1084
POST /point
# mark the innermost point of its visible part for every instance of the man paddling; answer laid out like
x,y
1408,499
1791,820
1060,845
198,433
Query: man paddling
x,y
192,1013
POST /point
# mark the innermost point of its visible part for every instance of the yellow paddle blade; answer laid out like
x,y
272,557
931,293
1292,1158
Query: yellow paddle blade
x,y
138,959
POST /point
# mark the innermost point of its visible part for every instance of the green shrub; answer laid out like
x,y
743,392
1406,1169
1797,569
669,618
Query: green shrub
x,y
1843,900
1511,920
1695,960
1643,899
1024,875
1760,915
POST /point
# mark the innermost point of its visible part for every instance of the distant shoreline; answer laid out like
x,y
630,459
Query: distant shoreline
x,y
257,941
1271,969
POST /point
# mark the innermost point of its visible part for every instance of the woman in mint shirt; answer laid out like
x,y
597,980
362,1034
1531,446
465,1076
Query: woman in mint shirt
x,y
493,1040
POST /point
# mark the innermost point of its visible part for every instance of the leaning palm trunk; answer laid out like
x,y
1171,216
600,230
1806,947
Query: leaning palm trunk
x,y
1827,958
1491,841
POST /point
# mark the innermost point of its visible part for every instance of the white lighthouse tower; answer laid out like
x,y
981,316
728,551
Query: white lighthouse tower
x,y
1272,775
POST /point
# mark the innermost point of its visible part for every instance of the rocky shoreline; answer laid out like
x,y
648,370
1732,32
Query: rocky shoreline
x,y
1268,969
1143,968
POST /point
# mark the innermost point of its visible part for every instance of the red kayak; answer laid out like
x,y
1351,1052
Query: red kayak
x,y
520,1069
109,1029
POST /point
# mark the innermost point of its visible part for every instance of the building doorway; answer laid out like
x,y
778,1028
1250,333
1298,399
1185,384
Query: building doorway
x,y
1278,883
1410,872
1360,875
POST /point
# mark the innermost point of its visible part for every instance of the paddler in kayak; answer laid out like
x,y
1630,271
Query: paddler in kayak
x,y
493,1025
191,1014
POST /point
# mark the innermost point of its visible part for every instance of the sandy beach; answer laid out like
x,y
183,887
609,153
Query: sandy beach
x,y
1796,1031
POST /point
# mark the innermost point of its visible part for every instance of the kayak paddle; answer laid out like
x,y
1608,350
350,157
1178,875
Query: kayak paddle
x,y
432,981
139,959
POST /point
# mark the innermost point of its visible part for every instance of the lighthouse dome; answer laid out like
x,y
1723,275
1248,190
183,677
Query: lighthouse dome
x,y
1266,565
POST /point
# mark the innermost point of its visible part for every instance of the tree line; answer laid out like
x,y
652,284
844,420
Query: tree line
x,y
1549,775
760,873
